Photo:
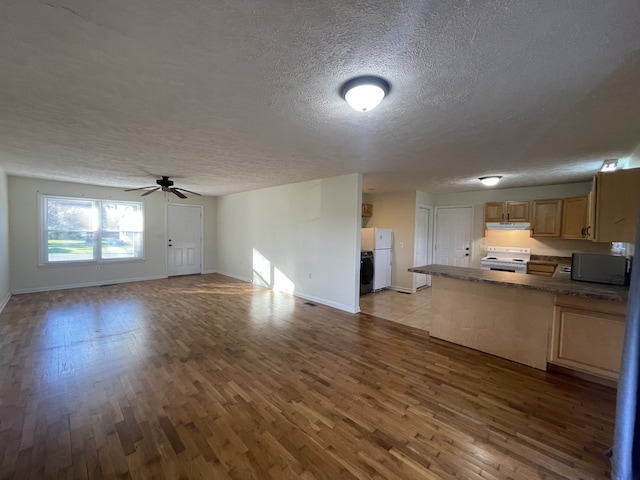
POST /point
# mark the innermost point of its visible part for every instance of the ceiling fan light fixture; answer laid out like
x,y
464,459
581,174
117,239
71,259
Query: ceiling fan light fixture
x,y
490,181
364,93
165,185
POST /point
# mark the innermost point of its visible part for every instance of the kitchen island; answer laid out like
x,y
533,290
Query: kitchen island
x,y
530,319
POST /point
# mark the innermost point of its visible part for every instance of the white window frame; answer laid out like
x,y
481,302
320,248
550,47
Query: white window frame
x,y
43,231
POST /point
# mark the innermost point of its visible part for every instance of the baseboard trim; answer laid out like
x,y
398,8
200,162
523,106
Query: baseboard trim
x,y
402,289
86,284
328,303
4,302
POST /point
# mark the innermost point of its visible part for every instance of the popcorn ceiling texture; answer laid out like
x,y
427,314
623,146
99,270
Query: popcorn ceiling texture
x,y
231,96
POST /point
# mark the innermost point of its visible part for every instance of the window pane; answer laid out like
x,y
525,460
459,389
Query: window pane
x,y
126,245
69,215
121,230
69,225
69,246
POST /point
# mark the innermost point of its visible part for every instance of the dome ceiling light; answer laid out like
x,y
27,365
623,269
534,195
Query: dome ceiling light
x,y
490,181
364,93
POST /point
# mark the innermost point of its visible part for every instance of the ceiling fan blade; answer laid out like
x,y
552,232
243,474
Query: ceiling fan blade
x,y
179,194
150,191
140,188
185,190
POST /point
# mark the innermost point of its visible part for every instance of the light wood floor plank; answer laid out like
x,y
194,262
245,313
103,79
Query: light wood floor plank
x,y
207,377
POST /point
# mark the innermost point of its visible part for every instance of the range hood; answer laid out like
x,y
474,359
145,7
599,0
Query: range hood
x,y
508,226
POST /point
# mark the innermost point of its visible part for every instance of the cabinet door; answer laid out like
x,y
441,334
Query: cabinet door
x,y
617,205
574,217
517,211
546,218
494,212
587,340
541,270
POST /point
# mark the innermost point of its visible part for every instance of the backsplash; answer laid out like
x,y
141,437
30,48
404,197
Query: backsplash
x,y
553,247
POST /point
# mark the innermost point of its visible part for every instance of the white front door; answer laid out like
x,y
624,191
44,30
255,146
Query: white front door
x,y
423,245
184,235
453,236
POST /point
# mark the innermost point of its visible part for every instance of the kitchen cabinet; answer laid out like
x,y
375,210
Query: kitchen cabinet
x,y
541,269
367,210
616,205
506,212
546,218
575,217
587,335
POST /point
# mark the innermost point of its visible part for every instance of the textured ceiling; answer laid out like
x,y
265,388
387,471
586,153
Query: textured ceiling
x,y
234,95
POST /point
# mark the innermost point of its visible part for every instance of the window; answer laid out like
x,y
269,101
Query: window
x,y
84,230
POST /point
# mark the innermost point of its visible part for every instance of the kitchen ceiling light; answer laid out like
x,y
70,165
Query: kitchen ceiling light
x,y
609,165
490,181
364,93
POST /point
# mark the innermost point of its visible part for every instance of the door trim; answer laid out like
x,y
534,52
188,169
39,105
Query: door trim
x,y
428,241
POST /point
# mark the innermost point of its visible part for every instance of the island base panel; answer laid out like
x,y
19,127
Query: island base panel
x,y
511,323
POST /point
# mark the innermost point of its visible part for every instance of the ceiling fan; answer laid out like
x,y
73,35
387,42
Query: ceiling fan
x,y
166,185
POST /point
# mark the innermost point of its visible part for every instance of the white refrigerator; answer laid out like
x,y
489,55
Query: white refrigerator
x,y
378,240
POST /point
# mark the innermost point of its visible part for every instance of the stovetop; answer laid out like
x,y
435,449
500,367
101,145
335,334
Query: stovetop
x,y
507,255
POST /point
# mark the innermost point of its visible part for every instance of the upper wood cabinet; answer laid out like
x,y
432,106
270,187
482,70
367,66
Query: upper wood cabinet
x,y
506,212
575,219
367,210
616,203
546,217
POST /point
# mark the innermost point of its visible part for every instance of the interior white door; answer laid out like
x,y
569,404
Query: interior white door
x,y
184,235
423,245
453,236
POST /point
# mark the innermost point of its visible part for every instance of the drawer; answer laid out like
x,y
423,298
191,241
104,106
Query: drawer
x,y
544,270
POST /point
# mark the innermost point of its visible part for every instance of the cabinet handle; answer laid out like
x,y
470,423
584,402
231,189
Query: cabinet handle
x,y
502,216
508,214
583,232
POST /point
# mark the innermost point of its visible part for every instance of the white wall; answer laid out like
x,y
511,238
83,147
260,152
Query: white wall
x,y
306,233
27,276
552,247
5,289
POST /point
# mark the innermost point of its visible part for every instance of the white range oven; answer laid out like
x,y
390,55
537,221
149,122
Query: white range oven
x,y
506,259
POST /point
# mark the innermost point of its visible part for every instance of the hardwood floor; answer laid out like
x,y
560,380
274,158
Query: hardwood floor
x,y
207,377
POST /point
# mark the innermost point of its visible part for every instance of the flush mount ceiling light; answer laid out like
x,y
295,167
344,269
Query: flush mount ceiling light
x,y
364,93
490,181
609,165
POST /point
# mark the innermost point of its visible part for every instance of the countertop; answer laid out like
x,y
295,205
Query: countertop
x,y
558,284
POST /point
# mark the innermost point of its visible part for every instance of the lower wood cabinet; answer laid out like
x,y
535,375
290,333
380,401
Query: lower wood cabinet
x,y
587,335
542,270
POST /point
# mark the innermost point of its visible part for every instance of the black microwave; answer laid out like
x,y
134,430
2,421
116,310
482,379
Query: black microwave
x,y
600,268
